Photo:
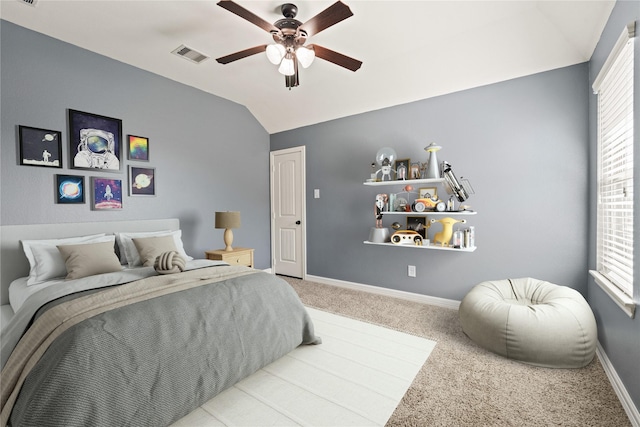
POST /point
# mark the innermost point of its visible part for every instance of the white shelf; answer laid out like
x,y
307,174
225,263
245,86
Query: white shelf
x,y
433,213
405,182
434,247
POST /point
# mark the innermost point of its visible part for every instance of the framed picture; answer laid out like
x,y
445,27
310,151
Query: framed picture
x,y
138,148
142,181
419,224
106,194
427,192
402,169
94,141
40,147
69,189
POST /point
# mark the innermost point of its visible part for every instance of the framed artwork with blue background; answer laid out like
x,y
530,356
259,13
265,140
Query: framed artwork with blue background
x,y
69,189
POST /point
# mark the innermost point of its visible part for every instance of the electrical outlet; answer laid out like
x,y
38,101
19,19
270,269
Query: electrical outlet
x,y
411,270
316,193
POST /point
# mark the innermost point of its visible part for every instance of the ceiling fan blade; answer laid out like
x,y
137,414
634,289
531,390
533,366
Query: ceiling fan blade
x,y
330,16
249,16
242,54
335,57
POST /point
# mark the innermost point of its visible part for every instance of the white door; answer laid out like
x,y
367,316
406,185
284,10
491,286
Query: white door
x,y
288,229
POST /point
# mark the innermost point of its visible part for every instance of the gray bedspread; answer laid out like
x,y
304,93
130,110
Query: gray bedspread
x,y
152,362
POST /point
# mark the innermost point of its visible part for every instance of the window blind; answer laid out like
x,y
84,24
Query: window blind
x,y
614,87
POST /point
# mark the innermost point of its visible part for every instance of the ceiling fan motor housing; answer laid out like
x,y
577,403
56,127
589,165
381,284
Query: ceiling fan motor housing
x,y
289,10
289,35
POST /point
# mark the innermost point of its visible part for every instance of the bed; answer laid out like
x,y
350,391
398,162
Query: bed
x,y
132,344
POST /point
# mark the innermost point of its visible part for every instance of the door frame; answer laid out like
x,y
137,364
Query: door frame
x,y
303,195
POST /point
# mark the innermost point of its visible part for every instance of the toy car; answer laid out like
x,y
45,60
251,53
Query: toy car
x,y
406,237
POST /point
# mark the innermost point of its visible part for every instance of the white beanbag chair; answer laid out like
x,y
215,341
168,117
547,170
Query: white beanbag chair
x,y
531,321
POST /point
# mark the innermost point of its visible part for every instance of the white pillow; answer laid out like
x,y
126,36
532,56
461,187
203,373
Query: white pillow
x,y
45,261
129,252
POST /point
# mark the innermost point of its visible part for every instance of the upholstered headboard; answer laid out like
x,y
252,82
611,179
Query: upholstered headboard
x,y
14,264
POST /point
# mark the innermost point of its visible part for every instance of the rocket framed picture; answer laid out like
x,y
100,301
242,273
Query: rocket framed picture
x,y
106,194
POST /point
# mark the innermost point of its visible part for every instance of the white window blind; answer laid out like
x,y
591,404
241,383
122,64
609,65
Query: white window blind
x,y
614,87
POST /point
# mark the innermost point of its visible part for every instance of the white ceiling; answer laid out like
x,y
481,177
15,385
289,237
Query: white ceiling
x,y
410,50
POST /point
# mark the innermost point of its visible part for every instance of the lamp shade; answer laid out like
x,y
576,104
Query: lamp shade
x,y
228,219
275,53
305,56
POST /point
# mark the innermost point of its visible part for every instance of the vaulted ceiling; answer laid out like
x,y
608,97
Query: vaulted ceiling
x,y
410,50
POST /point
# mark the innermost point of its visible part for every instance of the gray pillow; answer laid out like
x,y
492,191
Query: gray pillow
x,y
88,259
150,247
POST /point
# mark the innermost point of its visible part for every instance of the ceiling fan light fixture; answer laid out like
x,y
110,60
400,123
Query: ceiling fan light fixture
x,y
287,66
306,56
275,52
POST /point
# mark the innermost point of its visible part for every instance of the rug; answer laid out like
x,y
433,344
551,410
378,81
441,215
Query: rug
x,y
356,377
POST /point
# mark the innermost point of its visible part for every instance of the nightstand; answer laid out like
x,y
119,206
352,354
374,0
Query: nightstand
x,y
237,256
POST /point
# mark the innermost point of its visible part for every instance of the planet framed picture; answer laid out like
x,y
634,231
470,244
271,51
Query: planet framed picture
x,y
142,181
69,189
106,194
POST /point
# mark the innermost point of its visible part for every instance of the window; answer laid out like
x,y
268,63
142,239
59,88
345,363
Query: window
x,y
614,87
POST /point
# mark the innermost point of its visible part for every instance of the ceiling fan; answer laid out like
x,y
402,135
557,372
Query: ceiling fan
x,y
289,36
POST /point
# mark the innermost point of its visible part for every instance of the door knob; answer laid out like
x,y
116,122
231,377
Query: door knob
x,y
298,222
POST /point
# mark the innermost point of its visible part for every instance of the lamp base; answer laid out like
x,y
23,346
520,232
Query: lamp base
x,y
228,239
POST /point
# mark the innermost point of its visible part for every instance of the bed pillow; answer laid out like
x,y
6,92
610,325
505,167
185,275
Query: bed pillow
x,y
45,262
89,259
129,252
149,248
169,263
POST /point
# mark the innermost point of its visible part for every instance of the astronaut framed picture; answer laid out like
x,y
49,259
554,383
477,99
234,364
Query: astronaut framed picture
x,y
40,147
95,142
106,194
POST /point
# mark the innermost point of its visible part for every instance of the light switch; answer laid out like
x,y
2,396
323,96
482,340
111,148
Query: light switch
x,y
316,193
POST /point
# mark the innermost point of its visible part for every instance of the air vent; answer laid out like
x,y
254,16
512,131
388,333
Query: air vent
x,y
29,2
190,54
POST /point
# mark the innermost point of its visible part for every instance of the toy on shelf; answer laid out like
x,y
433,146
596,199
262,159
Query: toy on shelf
x,y
378,207
433,170
443,237
385,157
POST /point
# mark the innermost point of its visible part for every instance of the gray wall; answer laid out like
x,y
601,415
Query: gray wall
x,y
209,153
618,334
523,144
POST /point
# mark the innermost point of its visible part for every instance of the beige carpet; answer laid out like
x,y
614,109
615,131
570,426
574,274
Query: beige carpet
x,y
463,385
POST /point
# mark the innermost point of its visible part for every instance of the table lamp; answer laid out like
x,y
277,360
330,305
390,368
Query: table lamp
x,y
228,220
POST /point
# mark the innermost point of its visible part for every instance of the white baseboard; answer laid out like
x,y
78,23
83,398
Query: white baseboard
x,y
618,387
424,299
614,379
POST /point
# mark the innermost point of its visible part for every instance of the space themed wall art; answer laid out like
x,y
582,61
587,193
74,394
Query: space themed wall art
x,y
138,148
69,189
142,181
40,147
106,194
95,142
